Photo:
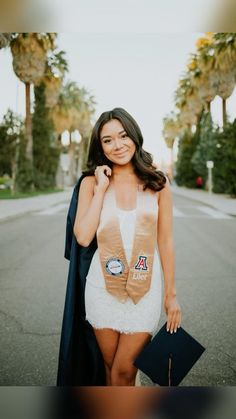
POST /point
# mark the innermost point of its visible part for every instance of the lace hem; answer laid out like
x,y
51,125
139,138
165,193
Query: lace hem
x,y
118,329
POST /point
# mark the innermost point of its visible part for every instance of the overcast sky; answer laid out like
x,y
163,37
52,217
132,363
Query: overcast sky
x,y
139,72
127,15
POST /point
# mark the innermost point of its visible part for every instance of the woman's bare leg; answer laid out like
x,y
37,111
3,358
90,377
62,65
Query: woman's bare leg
x,y
123,372
107,340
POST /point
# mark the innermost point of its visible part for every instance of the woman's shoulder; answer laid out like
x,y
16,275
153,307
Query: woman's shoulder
x,y
158,193
88,181
167,183
87,186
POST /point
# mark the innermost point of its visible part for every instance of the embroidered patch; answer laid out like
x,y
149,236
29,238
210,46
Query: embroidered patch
x,y
141,265
115,266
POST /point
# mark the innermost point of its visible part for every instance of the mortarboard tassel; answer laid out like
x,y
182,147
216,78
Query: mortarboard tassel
x,y
169,372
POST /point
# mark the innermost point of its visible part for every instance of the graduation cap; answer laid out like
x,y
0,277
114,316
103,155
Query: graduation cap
x,y
168,358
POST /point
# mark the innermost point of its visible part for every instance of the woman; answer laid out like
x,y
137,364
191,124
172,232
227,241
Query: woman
x,y
126,202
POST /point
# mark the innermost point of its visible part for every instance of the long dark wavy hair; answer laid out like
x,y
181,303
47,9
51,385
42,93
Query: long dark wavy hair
x,y
142,160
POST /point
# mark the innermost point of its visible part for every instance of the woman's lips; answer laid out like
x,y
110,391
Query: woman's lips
x,y
120,154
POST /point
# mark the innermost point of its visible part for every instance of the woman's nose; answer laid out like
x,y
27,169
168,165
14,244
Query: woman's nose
x,y
118,143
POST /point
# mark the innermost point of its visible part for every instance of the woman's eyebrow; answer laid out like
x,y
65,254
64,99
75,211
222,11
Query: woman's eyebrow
x,y
108,136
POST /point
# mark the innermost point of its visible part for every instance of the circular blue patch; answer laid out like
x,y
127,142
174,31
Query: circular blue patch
x,y
115,266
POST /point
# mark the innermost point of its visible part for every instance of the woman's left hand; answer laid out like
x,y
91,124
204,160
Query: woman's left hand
x,y
173,312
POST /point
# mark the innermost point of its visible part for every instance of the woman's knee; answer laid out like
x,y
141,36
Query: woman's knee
x,y
108,364
123,373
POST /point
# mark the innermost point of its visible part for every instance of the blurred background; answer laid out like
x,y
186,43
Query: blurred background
x,y
172,66
180,88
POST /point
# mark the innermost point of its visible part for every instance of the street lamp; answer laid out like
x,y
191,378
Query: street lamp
x,y
76,136
210,165
64,160
65,138
76,139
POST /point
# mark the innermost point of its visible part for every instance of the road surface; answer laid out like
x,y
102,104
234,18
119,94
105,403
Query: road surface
x,y
33,275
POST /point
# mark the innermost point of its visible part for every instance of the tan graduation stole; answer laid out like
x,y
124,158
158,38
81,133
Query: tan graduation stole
x,y
123,280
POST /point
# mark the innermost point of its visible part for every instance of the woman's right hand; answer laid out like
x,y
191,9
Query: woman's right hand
x,y
101,176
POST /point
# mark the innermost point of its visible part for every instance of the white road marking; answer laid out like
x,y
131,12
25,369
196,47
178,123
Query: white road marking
x,y
214,213
204,212
52,210
177,212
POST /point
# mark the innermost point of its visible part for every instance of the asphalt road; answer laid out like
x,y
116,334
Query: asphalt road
x,y
33,275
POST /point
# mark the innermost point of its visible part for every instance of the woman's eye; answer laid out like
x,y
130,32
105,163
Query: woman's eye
x,y
108,141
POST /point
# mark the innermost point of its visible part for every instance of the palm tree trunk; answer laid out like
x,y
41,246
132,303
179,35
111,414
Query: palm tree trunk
x,y
71,152
82,154
224,111
13,171
172,162
28,125
86,148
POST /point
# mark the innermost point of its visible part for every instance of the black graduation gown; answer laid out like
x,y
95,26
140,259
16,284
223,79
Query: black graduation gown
x,y
80,361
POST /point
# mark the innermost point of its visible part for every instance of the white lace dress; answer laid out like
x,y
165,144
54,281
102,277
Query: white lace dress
x,y
103,310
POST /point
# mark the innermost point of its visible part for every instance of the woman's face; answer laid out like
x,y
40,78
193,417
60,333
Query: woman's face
x,y
116,145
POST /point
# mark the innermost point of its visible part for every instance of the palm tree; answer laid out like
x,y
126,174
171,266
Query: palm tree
x,y
171,131
73,111
5,39
56,67
225,45
217,59
187,101
211,71
29,51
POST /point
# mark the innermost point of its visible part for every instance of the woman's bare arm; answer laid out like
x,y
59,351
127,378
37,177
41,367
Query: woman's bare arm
x,y
165,238
167,256
88,211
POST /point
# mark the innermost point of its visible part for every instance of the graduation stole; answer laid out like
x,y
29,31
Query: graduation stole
x,y
125,280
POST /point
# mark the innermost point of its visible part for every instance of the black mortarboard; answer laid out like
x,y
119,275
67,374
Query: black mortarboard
x,y
169,357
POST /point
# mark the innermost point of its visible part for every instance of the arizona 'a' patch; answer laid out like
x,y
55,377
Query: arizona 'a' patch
x,y
141,265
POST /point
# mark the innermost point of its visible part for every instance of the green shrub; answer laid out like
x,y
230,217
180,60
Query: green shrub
x,y
208,143
224,171
185,172
46,153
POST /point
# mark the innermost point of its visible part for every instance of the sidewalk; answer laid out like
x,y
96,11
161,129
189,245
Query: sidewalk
x,y
11,208
221,202
16,207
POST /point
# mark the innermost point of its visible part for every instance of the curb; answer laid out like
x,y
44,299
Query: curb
x,y
27,212
31,206
184,194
